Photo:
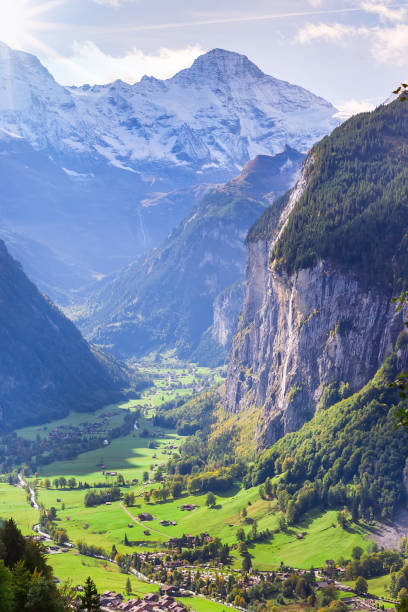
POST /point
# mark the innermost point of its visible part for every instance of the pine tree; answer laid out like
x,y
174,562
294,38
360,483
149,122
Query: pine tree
x,y
246,563
90,598
128,587
126,541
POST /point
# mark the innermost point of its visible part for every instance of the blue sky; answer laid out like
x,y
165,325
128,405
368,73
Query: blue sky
x,y
352,52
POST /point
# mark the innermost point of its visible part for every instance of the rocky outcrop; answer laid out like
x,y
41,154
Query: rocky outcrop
x,y
304,340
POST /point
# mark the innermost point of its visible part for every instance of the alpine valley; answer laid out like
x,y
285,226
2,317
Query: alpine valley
x,y
227,426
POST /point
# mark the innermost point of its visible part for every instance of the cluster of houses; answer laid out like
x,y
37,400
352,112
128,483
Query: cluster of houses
x,y
152,602
190,541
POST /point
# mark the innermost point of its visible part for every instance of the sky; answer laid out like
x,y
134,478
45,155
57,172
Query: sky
x,y
351,52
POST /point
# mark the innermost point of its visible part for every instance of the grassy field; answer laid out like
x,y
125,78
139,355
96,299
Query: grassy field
x,y
324,540
130,455
75,568
13,504
376,586
76,418
202,605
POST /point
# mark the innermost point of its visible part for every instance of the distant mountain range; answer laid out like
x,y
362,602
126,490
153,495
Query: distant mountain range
x,y
98,175
187,294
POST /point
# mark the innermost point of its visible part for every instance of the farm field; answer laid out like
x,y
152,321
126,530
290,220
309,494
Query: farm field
x,y
74,568
129,454
13,503
323,536
76,418
376,586
200,604
106,525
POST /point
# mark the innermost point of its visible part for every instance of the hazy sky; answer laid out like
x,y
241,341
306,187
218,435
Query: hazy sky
x,y
352,52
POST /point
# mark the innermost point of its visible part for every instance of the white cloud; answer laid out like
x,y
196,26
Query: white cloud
x,y
327,32
386,44
391,44
352,107
90,64
114,3
386,13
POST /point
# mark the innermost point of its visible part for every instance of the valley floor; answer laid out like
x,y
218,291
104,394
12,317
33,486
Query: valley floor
x,y
310,543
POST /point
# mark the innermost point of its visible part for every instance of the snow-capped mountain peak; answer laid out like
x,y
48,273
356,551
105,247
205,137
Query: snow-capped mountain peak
x,y
218,113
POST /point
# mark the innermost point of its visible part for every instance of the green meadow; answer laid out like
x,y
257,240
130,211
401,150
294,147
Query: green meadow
x,y
14,504
129,454
74,568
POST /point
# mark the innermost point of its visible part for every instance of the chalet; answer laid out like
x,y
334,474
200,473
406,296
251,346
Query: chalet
x,y
146,532
323,584
151,597
130,525
145,516
188,507
170,590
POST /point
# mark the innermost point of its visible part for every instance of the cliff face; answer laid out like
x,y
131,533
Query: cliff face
x,y
310,336
304,339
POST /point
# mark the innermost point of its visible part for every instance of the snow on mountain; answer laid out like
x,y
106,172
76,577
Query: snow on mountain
x,y
221,112
99,175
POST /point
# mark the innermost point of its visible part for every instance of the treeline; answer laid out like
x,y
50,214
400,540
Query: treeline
x,y
48,524
94,499
188,416
26,581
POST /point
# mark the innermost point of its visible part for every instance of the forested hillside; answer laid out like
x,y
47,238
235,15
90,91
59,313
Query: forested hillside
x,y
354,211
322,270
47,368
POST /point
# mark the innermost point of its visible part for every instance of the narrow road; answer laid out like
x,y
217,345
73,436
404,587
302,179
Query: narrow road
x,y
143,524
23,483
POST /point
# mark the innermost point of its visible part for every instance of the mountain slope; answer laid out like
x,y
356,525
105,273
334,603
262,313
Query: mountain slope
x,y
167,300
46,367
353,441
318,320
124,160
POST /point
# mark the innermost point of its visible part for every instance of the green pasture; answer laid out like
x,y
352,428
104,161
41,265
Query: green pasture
x,y
13,504
74,568
128,455
376,586
76,418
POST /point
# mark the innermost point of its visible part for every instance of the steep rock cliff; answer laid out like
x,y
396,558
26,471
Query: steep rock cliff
x,y
313,332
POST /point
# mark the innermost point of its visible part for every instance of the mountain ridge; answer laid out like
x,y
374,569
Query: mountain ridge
x,y
47,367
